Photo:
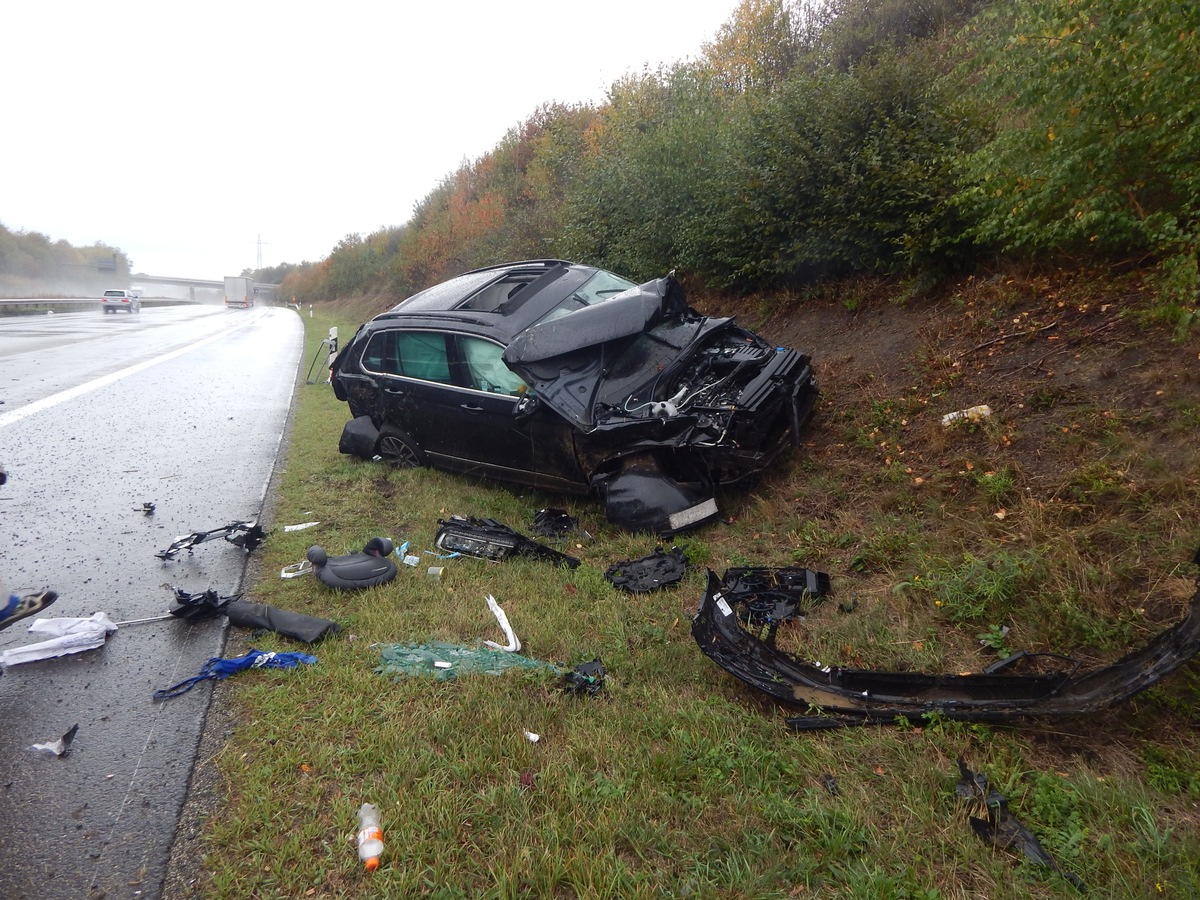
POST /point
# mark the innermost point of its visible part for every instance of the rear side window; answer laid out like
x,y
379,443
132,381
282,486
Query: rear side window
x,y
114,293
413,354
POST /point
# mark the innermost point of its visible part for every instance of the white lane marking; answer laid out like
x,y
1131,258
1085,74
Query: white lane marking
x,y
17,415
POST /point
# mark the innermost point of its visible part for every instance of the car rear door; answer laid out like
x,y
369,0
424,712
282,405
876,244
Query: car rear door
x,y
413,378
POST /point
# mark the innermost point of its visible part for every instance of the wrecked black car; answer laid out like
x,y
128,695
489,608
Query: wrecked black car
x,y
572,379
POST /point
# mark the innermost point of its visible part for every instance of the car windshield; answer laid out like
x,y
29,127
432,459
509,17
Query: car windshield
x,y
600,287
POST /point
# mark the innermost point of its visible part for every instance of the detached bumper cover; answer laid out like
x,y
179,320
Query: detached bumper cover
x,y
856,696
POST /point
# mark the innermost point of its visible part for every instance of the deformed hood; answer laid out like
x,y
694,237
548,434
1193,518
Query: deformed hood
x,y
628,313
564,358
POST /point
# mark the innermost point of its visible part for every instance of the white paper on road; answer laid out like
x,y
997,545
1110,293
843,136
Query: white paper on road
x,y
68,636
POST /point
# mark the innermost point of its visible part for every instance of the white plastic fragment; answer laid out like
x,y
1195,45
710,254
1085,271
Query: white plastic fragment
x,y
439,664
62,745
513,644
301,526
532,738
295,570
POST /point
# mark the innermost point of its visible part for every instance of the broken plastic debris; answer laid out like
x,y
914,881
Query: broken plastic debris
x,y
301,526
247,535
1001,828
295,570
971,414
147,508
514,644
441,664
62,745
586,678
648,573
859,696
532,738
554,523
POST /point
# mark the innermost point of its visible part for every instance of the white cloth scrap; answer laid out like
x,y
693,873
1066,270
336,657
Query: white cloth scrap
x,y
68,636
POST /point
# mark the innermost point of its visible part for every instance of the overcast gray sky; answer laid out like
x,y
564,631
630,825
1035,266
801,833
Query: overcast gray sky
x,y
185,133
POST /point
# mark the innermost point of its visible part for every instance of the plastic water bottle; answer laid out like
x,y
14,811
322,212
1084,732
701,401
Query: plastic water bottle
x,y
370,836
973,414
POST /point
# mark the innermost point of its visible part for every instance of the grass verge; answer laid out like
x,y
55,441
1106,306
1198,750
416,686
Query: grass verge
x,y
678,782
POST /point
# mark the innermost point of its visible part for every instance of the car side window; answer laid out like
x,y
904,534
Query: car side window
x,y
486,371
422,354
415,354
377,358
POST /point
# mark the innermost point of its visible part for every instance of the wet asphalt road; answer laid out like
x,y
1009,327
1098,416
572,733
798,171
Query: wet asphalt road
x,y
182,407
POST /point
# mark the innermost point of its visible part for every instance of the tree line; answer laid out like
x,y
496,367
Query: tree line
x,y
808,140
33,264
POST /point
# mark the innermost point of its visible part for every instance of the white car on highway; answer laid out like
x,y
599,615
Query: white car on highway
x,y
130,301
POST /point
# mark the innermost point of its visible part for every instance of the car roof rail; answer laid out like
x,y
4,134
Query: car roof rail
x,y
524,264
449,315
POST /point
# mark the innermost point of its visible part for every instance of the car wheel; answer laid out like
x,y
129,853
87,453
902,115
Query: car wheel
x,y
398,449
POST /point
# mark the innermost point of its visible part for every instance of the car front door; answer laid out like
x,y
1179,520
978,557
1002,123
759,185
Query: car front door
x,y
537,448
452,394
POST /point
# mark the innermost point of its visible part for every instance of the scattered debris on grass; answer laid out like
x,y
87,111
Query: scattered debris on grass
x,y
999,827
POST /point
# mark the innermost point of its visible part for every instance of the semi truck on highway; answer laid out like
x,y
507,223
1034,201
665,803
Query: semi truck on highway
x,y
239,291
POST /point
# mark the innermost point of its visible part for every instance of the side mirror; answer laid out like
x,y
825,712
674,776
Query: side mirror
x,y
525,407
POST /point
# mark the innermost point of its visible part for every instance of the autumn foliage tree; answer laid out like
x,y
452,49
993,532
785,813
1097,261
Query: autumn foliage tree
x,y
816,138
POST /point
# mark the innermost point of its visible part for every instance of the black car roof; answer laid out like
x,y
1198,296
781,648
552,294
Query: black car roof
x,y
436,306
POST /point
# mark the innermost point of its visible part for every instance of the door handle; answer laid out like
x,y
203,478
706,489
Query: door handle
x,y
469,408
394,392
